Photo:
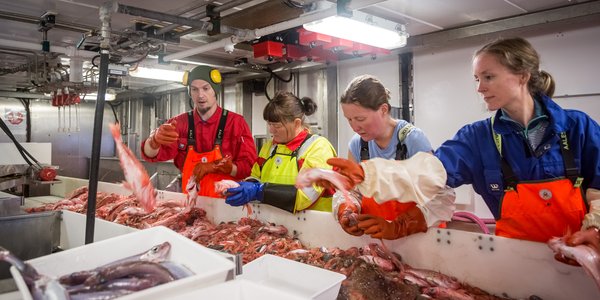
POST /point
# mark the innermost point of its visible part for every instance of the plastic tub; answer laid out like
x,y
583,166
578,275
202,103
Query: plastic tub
x,y
293,277
239,289
209,268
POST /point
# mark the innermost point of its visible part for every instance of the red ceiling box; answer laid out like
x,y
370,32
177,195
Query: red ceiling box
x,y
268,49
312,39
296,52
338,44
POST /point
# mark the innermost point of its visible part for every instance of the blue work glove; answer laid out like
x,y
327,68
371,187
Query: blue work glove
x,y
246,192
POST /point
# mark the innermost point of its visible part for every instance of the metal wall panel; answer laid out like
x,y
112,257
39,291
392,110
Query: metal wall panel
x,y
71,148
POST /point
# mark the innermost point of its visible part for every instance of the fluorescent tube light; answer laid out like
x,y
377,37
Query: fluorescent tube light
x,y
94,97
158,74
362,28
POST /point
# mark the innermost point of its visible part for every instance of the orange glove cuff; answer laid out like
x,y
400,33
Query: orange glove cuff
x,y
153,143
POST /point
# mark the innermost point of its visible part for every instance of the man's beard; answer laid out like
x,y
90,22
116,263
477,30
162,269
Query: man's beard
x,y
202,111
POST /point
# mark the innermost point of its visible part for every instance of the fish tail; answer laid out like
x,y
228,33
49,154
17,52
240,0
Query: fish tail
x,y
115,130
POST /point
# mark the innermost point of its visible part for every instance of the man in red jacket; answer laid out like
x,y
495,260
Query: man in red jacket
x,y
218,146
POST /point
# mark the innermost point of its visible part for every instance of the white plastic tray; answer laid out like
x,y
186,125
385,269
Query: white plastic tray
x,y
292,277
239,289
209,268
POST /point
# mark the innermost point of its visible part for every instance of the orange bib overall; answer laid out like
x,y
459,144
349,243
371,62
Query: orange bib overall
x,y
192,157
540,210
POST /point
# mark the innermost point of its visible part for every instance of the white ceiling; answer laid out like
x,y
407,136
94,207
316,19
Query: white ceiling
x,y
423,18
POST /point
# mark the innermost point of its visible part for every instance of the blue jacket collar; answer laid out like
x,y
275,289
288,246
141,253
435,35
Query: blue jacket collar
x,y
559,120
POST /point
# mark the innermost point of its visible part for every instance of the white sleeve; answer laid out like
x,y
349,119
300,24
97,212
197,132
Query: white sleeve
x,y
592,218
440,208
420,178
416,179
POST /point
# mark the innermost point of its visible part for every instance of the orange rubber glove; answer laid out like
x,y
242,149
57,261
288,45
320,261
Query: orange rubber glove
x,y
589,237
223,165
347,217
410,222
163,135
348,168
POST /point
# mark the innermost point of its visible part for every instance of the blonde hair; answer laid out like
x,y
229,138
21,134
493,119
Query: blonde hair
x,y
519,56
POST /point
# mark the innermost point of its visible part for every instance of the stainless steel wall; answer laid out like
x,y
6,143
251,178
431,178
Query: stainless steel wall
x,y
71,148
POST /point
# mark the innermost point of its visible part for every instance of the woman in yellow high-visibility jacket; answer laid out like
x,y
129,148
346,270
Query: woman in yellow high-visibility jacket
x,y
291,149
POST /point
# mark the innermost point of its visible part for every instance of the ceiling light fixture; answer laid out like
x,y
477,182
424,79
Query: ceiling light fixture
x,y
158,74
94,97
362,28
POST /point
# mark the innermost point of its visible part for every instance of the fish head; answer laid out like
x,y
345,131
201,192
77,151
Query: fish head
x,y
157,253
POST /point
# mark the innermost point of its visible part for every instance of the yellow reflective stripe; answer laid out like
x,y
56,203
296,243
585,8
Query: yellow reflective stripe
x,y
405,131
497,137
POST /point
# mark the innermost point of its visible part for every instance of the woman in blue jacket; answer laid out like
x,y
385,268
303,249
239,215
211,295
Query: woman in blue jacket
x,y
536,165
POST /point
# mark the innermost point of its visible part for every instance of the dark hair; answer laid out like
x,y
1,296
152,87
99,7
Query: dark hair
x,y
366,91
519,56
286,107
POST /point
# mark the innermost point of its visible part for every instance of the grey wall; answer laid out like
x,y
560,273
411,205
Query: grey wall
x,y
71,148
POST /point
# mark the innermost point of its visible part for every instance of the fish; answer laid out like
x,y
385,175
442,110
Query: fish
x,y
136,177
434,278
177,270
586,256
444,293
384,264
222,186
40,286
306,177
157,254
192,189
132,268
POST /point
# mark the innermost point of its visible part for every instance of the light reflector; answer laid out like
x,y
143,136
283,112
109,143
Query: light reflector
x,y
362,28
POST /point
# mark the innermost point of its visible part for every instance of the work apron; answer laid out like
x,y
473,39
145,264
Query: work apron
x,y
539,210
388,210
283,168
192,157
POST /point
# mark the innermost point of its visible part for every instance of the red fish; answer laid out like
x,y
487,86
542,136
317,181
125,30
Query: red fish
x,y
136,177
585,255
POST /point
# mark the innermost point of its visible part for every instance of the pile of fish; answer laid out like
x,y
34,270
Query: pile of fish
x,y
125,276
253,238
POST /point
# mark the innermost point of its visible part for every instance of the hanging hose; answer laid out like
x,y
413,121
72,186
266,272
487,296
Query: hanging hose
x,y
469,217
24,153
44,173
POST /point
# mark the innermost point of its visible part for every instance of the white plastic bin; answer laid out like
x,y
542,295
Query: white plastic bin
x,y
292,277
239,289
209,268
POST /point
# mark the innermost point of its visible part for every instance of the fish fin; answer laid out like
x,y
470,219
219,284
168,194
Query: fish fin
x,y
127,185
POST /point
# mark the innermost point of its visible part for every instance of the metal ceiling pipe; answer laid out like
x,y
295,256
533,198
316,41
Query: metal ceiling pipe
x,y
35,59
253,34
202,15
232,40
70,51
36,20
24,95
140,12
